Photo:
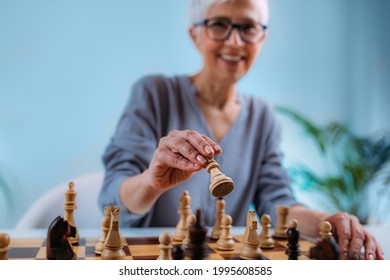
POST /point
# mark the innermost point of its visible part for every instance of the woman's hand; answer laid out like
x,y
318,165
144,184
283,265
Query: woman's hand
x,y
178,156
352,237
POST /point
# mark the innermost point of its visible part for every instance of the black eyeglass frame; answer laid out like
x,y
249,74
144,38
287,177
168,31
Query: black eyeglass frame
x,y
233,26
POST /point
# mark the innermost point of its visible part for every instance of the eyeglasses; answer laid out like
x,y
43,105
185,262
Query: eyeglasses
x,y
220,29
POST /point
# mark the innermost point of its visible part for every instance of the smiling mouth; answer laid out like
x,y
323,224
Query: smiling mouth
x,y
231,58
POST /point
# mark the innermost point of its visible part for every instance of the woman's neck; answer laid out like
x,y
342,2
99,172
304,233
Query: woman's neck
x,y
213,93
218,103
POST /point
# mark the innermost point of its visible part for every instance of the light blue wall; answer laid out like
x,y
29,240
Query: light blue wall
x,y
66,68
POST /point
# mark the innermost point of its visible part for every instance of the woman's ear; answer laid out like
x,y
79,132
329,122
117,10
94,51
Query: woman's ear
x,y
194,34
265,35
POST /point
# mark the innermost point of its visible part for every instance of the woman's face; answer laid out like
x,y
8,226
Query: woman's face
x,y
229,60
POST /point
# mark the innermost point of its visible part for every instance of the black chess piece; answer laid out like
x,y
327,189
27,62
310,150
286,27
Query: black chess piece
x,y
58,245
177,252
325,249
293,250
197,248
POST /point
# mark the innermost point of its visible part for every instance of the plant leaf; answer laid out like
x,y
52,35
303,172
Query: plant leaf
x,y
309,127
354,161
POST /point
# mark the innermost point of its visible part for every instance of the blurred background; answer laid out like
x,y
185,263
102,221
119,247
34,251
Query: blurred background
x,y
66,68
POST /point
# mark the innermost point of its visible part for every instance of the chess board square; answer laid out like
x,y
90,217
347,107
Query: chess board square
x,y
90,252
41,255
141,240
305,247
215,257
23,253
93,258
27,243
80,252
144,250
277,247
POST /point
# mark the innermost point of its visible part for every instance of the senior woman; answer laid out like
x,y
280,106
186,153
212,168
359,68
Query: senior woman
x,y
173,125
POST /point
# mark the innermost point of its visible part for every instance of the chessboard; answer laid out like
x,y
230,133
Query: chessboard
x,y
144,248
191,231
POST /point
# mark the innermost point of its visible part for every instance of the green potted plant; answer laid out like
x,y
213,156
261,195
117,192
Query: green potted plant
x,y
357,175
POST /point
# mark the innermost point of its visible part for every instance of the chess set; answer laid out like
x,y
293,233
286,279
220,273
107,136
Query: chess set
x,y
190,240
144,248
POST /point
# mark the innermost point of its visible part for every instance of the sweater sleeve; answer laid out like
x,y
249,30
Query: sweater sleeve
x,y
131,147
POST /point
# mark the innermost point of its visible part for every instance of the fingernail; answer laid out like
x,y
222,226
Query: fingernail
x,y
217,148
201,159
356,256
208,150
371,256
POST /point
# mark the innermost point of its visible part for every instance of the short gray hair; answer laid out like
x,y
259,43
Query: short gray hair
x,y
199,8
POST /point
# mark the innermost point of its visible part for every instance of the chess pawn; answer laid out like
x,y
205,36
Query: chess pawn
x,y
325,230
191,219
266,240
165,246
226,241
69,207
292,234
220,184
184,211
216,231
4,243
106,221
113,248
281,224
251,249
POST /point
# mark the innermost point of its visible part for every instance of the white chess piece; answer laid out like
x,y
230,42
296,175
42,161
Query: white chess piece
x,y
113,247
251,249
165,246
4,243
106,222
184,211
226,241
266,240
69,206
250,217
281,223
325,230
220,212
